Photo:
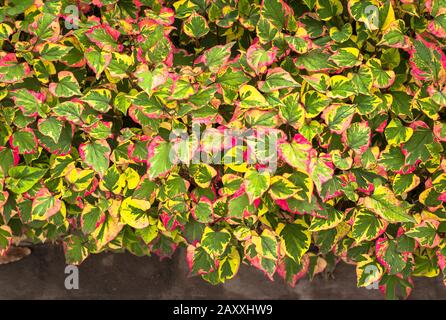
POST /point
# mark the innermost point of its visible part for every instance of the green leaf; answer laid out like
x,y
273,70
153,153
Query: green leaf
x,y
327,9
359,136
149,80
238,205
134,212
338,117
392,158
7,160
341,87
347,57
426,61
47,26
403,183
231,78
66,87
45,205
282,188
315,60
13,72
16,7
382,78
229,265
295,238
296,154
275,12
401,103
96,155
119,65
121,102
104,37
182,89
341,35
5,237
276,79
250,97
98,99
195,26
384,203
203,211
199,260
394,36
159,160
266,244
397,133
396,286
24,141
75,250
314,102
363,82
256,184
217,57
418,145
53,51
106,231
329,218
71,111
425,234
215,242
23,178
292,111
389,256
321,171
297,44
148,234
63,144
98,60
29,102
266,30
51,127
202,174
259,59
367,226
91,217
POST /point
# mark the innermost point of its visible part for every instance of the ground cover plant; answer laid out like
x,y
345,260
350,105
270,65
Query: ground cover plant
x,y
286,135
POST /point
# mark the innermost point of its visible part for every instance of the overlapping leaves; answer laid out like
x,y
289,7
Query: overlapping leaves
x,y
280,134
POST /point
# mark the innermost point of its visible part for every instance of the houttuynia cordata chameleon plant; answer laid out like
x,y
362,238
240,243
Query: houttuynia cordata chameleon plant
x,y
286,135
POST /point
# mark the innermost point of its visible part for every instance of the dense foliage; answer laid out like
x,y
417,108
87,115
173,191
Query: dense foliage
x,y
289,136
